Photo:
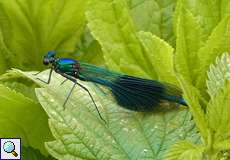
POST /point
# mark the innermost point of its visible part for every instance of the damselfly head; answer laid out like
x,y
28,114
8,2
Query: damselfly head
x,y
49,57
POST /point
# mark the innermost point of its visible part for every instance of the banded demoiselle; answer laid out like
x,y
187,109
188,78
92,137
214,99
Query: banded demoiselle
x,y
130,92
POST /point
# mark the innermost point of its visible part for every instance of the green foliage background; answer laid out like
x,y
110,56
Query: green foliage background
x,y
183,42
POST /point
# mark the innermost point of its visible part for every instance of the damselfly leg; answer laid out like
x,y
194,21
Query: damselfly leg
x,y
68,77
49,79
64,81
83,87
69,94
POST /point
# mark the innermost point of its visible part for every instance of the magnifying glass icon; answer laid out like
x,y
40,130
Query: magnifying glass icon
x,y
9,147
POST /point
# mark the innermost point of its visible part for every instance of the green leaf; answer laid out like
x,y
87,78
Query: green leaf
x,y
16,81
156,18
89,50
3,64
110,24
81,134
29,153
34,27
208,12
4,52
27,91
185,150
192,96
177,12
161,55
24,118
225,7
218,73
189,41
218,113
91,54
222,145
217,44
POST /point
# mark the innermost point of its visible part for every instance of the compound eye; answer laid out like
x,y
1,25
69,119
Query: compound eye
x,y
46,61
